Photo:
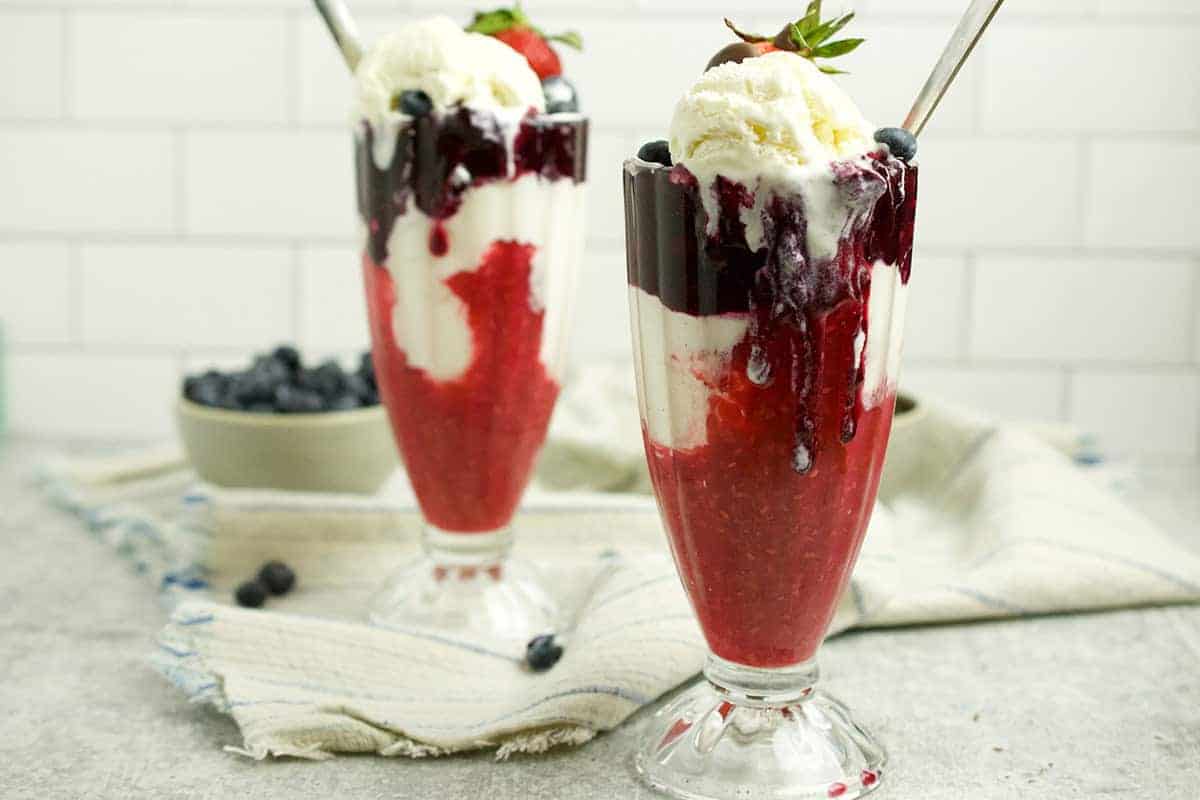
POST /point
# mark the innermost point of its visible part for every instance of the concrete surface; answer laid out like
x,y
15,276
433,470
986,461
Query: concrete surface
x,y
1088,706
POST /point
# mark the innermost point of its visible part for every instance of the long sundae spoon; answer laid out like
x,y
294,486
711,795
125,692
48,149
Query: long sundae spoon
x,y
345,33
970,30
544,651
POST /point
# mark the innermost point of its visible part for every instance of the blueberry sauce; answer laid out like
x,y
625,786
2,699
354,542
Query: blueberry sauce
x,y
440,156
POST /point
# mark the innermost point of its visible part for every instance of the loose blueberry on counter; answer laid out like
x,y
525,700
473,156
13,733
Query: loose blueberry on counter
x,y
251,594
561,97
277,577
413,102
901,143
543,652
658,152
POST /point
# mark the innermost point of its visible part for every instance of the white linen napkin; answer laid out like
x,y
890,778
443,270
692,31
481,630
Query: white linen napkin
x,y
974,521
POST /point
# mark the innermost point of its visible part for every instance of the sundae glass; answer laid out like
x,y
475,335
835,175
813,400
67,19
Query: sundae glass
x,y
470,187
769,245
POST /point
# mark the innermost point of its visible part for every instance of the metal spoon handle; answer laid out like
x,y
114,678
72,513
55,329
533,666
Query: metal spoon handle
x,y
610,562
341,25
966,36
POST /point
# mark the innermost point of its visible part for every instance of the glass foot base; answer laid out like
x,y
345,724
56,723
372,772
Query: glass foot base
x,y
467,588
717,743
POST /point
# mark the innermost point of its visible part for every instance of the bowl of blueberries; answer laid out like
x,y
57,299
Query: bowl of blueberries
x,y
281,424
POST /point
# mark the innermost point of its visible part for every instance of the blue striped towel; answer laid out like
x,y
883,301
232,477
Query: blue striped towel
x,y
974,521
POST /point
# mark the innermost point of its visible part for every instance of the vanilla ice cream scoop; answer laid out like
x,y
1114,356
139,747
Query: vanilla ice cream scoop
x,y
453,67
770,115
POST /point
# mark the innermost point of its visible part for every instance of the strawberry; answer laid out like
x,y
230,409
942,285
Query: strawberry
x,y
808,36
513,27
537,51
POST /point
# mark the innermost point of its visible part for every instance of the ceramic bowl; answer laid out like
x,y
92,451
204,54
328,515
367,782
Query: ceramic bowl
x,y
337,451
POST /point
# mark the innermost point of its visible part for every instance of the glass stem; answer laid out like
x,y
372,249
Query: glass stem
x,y
760,687
466,556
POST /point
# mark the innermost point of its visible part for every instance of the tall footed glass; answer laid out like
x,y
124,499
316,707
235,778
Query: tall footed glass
x,y
767,336
474,230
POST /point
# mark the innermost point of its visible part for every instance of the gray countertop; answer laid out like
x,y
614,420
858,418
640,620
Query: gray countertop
x,y
1089,706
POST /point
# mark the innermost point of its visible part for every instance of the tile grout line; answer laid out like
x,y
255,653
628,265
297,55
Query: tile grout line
x,y
75,298
1068,389
979,87
291,60
65,62
970,265
179,213
644,8
1196,312
1084,164
1039,136
299,293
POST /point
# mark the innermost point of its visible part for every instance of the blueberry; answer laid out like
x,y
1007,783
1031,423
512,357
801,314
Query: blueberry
x,y
277,577
296,400
901,143
543,652
229,401
366,367
251,594
345,402
207,389
413,102
561,96
329,380
371,398
252,387
357,386
288,356
658,152
272,369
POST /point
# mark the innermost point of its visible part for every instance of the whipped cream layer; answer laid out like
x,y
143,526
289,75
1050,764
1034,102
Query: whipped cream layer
x,y
453,67
680,358
429,320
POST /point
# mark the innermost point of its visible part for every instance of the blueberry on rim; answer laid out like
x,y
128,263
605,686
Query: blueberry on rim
x,y
561,97
413,102
901,143
657,152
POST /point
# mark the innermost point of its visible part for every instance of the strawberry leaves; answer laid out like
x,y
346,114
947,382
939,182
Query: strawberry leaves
x,y
491,23
571,39
809,36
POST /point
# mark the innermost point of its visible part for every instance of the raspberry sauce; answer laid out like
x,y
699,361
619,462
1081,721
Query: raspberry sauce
x,y
468,442
767,515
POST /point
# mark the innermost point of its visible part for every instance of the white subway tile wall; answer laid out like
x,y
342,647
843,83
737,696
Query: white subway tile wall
x,y
176,190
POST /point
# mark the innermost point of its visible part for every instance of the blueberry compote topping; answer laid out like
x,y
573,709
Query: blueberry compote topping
x,y
808,317
440,155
